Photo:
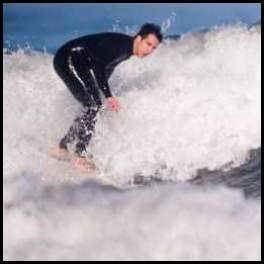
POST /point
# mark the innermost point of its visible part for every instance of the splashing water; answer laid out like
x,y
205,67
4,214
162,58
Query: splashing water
x,y
168,22
193,104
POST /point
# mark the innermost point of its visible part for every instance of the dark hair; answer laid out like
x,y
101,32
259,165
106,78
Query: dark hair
x,y
149,28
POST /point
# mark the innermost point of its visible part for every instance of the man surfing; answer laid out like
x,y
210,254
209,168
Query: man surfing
x,y
85,65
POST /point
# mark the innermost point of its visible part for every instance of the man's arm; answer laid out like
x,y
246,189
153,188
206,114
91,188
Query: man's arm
x,y
101,78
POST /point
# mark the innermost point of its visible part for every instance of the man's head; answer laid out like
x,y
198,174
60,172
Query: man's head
x,y
147,40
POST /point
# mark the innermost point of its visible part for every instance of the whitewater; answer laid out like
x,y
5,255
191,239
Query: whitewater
x,y
192,106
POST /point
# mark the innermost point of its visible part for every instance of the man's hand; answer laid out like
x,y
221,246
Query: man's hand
x,y
113,104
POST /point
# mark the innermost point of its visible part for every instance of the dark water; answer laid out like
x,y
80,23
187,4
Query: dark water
x,y
246,177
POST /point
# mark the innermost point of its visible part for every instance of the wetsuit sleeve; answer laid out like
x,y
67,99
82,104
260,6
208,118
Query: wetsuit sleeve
x,y
101,78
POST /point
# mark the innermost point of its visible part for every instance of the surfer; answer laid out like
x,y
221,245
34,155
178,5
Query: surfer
x,y
85,65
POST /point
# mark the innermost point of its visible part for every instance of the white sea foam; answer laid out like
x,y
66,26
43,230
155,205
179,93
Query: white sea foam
x,y
194,103
158,223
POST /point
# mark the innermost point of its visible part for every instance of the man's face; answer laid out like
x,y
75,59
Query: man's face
x,y
146,45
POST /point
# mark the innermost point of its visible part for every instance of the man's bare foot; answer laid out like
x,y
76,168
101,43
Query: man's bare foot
x,y
61,154
82,164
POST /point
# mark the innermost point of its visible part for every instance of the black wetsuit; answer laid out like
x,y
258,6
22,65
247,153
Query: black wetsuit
x,y
85,65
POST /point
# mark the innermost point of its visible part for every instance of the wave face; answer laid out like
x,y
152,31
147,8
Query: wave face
x,y
193,105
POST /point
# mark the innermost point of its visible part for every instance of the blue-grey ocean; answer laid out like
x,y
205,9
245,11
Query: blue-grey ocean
x,y
178,168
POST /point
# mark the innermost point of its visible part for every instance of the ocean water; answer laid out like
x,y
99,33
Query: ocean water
x,y
178,168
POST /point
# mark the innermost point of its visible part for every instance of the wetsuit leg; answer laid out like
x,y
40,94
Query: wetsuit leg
x,y
81,131
85,125
81,81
